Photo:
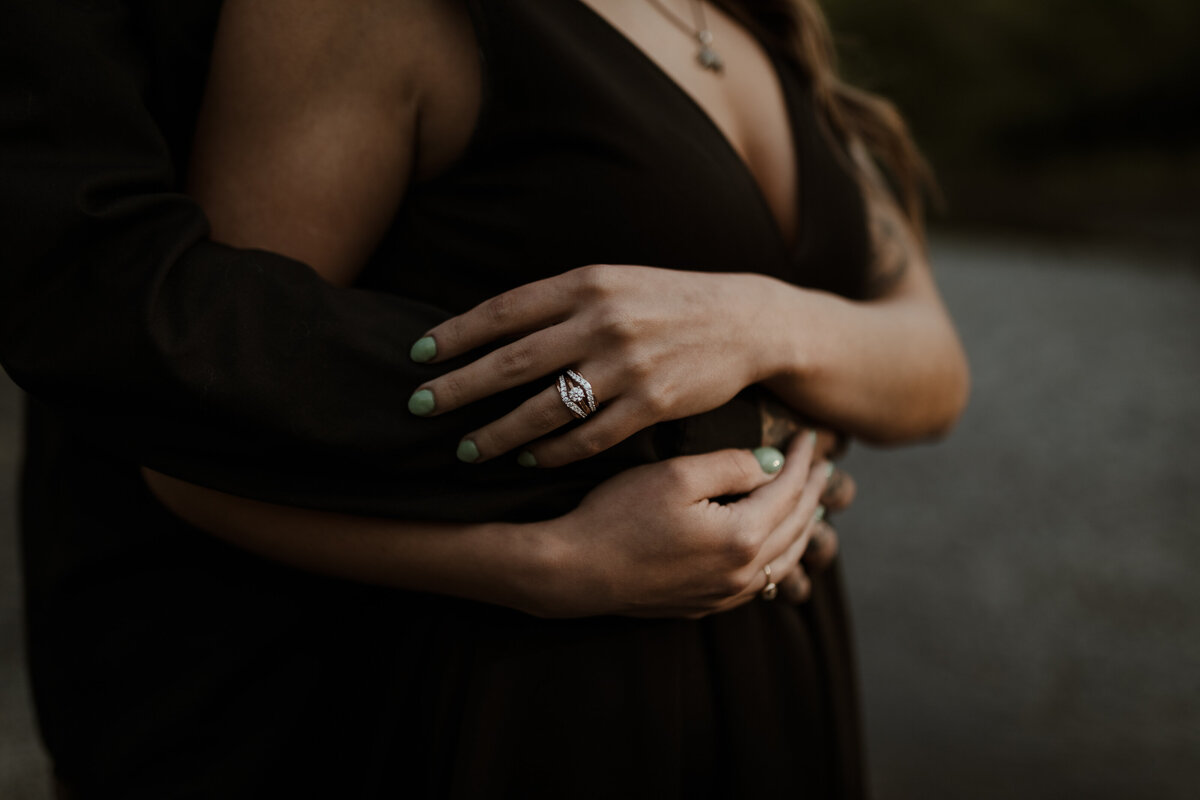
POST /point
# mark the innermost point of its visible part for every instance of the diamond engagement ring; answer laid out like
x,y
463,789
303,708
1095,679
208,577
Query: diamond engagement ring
x,y
576,393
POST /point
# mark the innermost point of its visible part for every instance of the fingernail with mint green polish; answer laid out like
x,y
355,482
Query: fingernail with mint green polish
x,y
829,468
770,459
424,349
820,514
421,403
812,438
467,451
527,459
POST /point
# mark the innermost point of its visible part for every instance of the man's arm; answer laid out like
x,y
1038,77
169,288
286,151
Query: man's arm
x,y
239,369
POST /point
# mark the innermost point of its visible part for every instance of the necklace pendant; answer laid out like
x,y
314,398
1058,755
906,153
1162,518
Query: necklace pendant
x,y
708,57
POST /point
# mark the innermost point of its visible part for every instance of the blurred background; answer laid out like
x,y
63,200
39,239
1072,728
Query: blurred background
x,y
1027,592
1066,116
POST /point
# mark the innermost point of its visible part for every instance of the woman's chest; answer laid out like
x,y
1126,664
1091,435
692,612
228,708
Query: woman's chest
x,y
738,98
581,147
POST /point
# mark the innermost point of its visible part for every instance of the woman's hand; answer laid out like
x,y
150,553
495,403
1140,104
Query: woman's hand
x,y
649,542
652,542
655,344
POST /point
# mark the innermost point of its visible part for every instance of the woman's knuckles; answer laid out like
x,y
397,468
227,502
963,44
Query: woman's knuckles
x,y
546,416
796,587
655,402
839,491
731,584
733,472
615,324
449,392
639,367
823,547
742,548
676,477
498,312
596,281
582,443
514,361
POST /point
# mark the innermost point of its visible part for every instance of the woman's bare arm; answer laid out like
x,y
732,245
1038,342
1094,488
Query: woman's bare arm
x,y
888,369
495,563
704,557
661,344
317,115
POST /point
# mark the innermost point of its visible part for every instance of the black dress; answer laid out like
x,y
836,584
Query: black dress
x,y
168,664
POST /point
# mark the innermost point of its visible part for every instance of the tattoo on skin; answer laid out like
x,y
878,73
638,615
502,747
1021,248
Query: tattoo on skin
x,y
779,423
891,245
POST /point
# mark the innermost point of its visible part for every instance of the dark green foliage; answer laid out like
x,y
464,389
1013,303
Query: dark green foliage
x,y
1036,112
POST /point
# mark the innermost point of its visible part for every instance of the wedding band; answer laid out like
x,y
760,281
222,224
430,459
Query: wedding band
x,y
770,590
576,393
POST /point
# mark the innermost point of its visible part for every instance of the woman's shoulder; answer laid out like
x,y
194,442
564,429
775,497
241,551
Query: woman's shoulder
x,y
417,55
317,114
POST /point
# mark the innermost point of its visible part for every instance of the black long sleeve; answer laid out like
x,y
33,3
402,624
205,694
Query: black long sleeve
x,y
238,369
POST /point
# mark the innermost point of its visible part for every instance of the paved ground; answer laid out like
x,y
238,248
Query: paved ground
x,y
1026,592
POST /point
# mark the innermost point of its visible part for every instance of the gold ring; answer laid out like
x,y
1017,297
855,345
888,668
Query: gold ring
x,y
770,590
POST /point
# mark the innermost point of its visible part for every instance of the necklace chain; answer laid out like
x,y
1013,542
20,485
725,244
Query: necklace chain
x,y
707,56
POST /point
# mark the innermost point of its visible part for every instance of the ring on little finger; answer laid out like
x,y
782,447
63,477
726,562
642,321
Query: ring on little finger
x,y
771,589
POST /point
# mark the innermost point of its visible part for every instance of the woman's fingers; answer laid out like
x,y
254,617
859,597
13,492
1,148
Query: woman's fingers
x,y
785,564
787,542
796,587
840,491
792,512
790,579
609,426
544,413
529,358
822,548
792,535
525,308
537,416
769,505
717,474
789,509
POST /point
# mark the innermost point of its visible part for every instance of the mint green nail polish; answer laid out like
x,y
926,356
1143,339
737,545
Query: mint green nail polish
x,y
421,403
527,459
424,349
820,515
467,451
829,470
812,438
770,459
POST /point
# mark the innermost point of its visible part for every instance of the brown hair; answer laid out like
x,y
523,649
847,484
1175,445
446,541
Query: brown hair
x,y
800,29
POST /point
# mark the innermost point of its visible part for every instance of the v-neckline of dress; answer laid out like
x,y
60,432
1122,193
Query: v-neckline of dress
x,y
789,251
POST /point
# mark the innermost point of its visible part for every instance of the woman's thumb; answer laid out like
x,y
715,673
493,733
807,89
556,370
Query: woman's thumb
x,y
732,471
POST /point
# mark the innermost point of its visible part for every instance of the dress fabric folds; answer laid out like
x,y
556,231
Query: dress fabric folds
x,y
166,663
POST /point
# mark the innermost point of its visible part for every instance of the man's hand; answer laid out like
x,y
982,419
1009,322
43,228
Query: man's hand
x,y
779,425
